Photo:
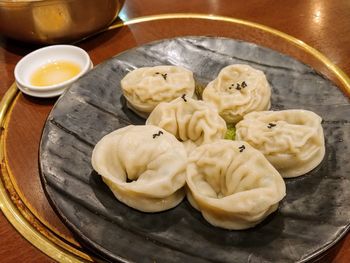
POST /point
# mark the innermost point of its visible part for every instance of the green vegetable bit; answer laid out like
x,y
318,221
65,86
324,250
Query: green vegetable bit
x,y
231,132
199,90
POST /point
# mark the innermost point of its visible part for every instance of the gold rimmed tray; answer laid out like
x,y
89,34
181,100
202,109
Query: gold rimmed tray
x,y
301,51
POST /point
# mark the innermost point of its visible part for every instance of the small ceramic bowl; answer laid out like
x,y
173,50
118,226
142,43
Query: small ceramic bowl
x,y
32,62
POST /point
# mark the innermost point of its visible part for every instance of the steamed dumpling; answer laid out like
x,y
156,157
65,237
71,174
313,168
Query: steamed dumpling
x,y
189,120
145,88
292,140
238,90
232,184
144,166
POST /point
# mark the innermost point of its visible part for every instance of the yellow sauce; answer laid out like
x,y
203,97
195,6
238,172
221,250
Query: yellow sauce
x,y
54,73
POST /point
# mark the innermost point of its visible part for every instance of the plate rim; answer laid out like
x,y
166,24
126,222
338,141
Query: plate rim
x,y
96,248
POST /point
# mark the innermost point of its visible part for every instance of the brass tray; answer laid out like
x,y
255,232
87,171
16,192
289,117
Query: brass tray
x,y
27,221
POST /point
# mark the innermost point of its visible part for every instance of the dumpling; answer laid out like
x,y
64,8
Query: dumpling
x,y
189,120
144,166
238,90
145,88
232,184
292,140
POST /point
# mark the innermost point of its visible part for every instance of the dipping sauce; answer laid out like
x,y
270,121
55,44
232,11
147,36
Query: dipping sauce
x,y
54,73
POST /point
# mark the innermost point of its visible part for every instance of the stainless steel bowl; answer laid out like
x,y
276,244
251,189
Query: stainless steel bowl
x,y
55,21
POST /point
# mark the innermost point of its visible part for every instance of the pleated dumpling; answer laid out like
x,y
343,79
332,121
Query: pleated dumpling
x,y
292,140
232,184
144,88
189,120
238,90
144,166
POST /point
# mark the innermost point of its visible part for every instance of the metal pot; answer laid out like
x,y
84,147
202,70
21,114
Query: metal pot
x,y
55,21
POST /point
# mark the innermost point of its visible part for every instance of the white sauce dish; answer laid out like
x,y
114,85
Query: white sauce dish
x,y
48,71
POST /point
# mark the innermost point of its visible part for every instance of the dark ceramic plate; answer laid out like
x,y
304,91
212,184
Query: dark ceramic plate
x,y
312,217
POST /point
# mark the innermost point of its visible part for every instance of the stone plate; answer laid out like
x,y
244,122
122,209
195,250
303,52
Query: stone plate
x,y
312,217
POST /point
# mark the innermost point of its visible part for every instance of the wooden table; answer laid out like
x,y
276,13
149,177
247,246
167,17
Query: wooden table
x,y
323,24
